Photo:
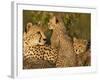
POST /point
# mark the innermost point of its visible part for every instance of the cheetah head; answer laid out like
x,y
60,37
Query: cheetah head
x,y
34,35
52,23
79,45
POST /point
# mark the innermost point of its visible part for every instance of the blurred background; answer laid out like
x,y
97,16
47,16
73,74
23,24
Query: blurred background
x,y
77,24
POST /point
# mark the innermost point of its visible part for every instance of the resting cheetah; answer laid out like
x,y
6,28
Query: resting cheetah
x,y
79,45
82,51
35,50
34,35
60,39
40,52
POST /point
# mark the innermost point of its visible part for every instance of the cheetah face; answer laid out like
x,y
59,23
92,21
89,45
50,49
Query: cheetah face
x,y
34,36
52,23
79,45
36,39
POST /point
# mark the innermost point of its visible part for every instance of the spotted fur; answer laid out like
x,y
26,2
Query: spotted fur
x,y
79,45
35,49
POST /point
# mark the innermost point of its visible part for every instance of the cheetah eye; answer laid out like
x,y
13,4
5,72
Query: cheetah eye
x,y
44,39
79,45
38,32
76,50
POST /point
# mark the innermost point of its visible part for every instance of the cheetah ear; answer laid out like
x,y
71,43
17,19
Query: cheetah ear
x,y
29,25
54,20
74,38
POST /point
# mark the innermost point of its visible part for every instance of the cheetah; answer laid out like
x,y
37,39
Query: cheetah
x,y
36,52
60,39
82,51
79,45
40,52
34,34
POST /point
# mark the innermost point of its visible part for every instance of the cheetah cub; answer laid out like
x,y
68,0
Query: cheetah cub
x,y
79,45
82,51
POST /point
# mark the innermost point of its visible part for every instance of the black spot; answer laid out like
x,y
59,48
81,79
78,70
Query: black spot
x,y
88,45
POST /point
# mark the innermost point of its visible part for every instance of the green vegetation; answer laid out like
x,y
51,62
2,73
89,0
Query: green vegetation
x,y
77,24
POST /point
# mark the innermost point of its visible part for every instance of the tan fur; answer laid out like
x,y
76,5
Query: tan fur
x,y
66,56
35,50
33,34
79,45
83,55
36,53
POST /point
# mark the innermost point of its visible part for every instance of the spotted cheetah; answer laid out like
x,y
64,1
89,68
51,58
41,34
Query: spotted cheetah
x,y
82,51
40,52
60,39
34,35
35,49
79,45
